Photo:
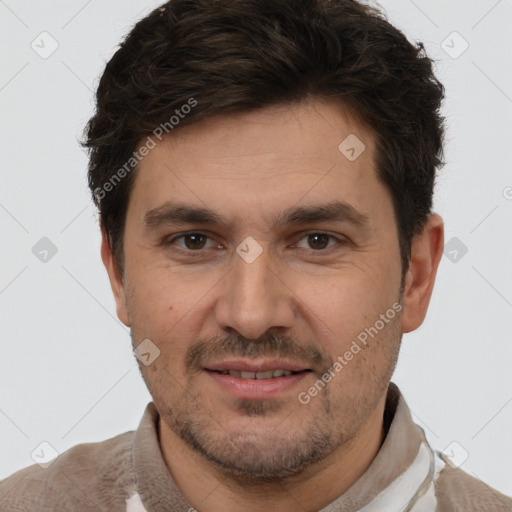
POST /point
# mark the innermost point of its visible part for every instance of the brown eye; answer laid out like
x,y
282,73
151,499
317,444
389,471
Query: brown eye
x,y
318,240
191,242
194,241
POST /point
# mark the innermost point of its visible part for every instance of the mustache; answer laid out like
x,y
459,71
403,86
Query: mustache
x,y
269,345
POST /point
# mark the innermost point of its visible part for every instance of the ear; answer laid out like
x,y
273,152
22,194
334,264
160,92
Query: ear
x,y
426,252
115,277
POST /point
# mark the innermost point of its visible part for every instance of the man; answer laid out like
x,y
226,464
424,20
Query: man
x,y
264,174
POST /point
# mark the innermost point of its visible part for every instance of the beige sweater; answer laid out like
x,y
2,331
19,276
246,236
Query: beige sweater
x,y
128,474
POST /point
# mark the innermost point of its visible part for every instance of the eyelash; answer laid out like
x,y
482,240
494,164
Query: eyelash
x,y
340,241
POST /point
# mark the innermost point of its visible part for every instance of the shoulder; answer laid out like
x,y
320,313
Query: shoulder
x,y
88,476
457,491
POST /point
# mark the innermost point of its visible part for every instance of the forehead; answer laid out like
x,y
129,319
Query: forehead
x,y
278,156
307,132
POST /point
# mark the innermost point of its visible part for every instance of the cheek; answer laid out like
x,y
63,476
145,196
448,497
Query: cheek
x,y
342,303
158,292
346,320
152,310
164,308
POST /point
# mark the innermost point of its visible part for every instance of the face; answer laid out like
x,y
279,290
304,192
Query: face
x,y
258,257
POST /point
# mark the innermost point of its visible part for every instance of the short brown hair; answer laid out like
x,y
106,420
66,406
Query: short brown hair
x,y
240,55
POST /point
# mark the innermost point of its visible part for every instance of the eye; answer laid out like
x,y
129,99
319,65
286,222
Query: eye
x,y
193,241
319,241
197,242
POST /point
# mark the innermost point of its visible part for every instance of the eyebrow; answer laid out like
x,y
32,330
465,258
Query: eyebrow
x,y
180,213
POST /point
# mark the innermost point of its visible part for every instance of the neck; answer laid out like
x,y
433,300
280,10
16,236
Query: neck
x,y
209,490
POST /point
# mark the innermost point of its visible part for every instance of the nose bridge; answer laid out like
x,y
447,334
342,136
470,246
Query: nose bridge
x,y
253,299
252,277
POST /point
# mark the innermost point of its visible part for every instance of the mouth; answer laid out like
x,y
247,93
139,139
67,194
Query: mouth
x,y
270,374
256,380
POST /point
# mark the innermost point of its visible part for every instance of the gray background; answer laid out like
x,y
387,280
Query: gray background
x,y
67,373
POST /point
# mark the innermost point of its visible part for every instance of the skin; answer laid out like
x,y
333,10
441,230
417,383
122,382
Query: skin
x,y
304,299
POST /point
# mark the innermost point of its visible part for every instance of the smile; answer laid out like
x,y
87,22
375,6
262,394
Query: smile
x,y
258,375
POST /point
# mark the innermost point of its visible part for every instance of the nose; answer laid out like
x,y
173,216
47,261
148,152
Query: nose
x,y
254,298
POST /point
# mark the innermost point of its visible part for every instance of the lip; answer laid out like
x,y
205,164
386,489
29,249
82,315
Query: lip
x,y
256,389
262,365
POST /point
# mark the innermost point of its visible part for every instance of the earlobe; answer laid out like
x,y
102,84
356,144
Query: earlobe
x,y
115,277
426,252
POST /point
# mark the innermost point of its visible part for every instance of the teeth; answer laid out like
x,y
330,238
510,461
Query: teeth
x,y
265,375
257,375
